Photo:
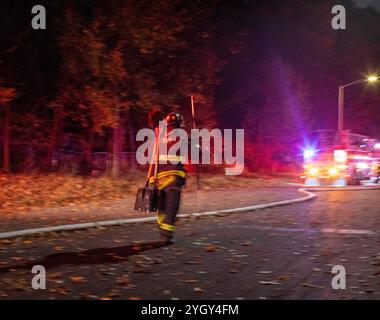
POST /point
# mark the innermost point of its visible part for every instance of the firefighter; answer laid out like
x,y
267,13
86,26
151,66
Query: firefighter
x,y
171,178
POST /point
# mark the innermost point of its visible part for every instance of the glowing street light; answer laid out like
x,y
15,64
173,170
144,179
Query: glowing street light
x,y
372,78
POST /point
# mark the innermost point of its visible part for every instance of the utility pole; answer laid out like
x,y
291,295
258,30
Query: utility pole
x,y
341,109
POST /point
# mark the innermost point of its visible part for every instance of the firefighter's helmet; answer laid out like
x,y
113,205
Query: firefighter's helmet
x,y
174,119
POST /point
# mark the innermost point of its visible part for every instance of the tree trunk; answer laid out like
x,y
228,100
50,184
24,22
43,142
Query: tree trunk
x,y
117,148
89,150
55,138
6,138
132,142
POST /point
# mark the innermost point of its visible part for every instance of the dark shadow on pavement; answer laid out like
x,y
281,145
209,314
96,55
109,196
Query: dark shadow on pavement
x,y
93,256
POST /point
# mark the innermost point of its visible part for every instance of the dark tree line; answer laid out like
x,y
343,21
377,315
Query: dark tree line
x,y
87,82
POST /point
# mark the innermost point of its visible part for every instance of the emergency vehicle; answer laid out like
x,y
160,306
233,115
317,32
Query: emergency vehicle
x,y
340,159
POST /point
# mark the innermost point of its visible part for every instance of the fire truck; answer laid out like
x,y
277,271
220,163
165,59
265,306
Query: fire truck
x,y
340,158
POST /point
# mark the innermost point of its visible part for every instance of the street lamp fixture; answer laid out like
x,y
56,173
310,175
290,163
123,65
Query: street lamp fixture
x,y
372,78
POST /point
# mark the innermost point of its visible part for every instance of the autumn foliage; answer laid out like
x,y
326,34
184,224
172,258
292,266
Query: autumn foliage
x,y
85,85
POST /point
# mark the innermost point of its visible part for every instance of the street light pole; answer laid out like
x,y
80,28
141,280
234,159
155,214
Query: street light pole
x,y
341,101
341,109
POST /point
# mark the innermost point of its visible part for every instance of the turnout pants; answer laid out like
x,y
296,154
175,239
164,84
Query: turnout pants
x,y
169,198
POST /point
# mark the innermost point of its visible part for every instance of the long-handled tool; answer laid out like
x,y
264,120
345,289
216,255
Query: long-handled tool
x,y
196,168
155,156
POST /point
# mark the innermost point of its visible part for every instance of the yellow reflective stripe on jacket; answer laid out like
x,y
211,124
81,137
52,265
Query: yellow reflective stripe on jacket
x,y
171,157
162,183
164,174
179,173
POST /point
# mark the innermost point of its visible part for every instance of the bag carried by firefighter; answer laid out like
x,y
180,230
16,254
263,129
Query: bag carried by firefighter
x,y
146,198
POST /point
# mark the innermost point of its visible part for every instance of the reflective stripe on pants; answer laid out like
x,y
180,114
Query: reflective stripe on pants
x,y
164,226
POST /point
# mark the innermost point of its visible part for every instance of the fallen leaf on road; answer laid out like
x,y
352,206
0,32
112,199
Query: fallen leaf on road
x,y
270,283
61,291
17,258
55,275
192,262
210,248
77,279
124,280
283,277
190,281
309,285
156,261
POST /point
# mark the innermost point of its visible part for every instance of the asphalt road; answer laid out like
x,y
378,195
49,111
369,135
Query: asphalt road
x,y
280,253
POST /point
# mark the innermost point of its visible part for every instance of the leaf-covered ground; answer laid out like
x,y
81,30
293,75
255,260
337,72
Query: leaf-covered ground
x,y
22,193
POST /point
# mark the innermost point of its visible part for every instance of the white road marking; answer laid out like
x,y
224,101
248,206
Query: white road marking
x,y
331,188
347,231
80,226
323,230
